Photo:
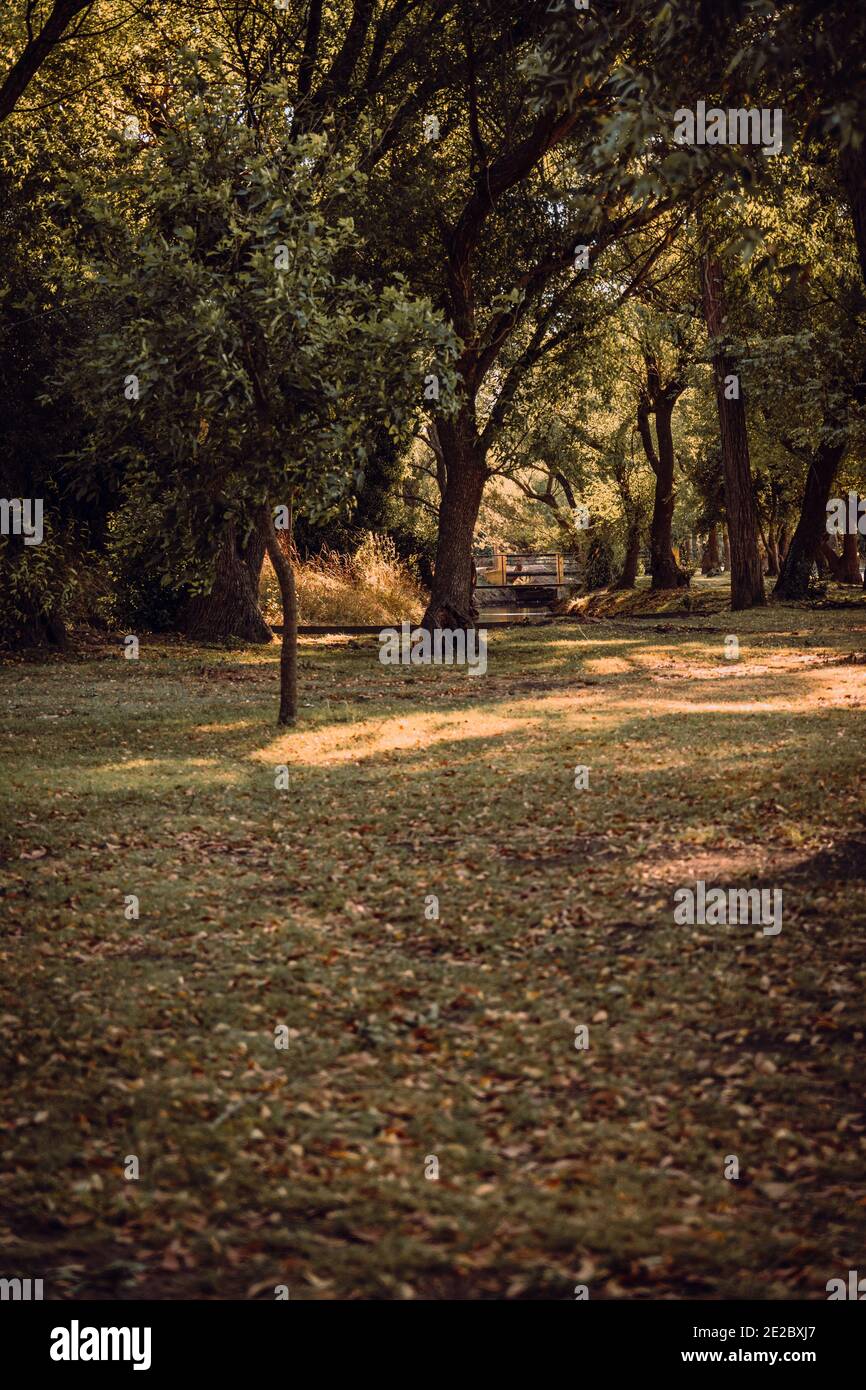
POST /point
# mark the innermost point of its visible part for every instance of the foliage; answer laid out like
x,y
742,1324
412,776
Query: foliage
x,y
248,365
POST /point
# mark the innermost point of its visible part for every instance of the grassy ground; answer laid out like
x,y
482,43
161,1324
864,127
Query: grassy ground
x,y
412,1038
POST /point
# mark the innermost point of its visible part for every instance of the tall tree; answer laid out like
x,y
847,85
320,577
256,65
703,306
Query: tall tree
x,y
245,361
747,580
658,397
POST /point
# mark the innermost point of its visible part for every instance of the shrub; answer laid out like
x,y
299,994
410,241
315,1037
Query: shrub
x,y
372,585
599,572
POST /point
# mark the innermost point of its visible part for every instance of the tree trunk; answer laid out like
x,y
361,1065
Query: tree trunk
x,y
772,552
279,558
783,543
833,560
628,578
851,558
796,568
452,599
666,573
231,609
711,559
726,548
747,580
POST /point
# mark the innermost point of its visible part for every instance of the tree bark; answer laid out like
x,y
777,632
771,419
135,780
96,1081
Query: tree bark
x,y
628,578
452,600
231,609
711,559
772,551
783,543
666,573
279,558
747,580
796,568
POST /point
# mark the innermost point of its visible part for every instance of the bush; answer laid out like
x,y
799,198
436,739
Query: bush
x,y
147,582
46,588
599,570
372,585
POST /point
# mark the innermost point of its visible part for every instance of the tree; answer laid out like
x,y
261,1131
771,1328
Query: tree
x,y
747,581
230,608
505,220
360,72
657,397
248,370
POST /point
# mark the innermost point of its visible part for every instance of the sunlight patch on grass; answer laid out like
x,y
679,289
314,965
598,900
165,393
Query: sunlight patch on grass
x,y
160,772
369,737
607,666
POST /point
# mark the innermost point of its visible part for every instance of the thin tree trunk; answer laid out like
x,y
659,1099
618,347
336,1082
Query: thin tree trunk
x,y
38,47
231,608
452,599
289,649
666,573
628,578
711,559
796,568
747,580
772,551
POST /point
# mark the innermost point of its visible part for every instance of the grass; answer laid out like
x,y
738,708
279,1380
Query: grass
x,y
372,585
412,1037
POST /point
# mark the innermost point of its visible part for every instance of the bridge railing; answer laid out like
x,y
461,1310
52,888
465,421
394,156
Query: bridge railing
x,y
526,567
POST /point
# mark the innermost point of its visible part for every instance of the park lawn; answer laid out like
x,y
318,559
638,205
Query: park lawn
x,y
412,1038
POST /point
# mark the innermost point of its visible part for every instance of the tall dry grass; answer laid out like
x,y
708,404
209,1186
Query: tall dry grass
x,y
372,585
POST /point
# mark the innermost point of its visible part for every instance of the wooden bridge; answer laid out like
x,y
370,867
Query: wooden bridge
x,y
522,579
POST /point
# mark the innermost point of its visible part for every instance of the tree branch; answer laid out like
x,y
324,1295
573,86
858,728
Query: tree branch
x,y
36,50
